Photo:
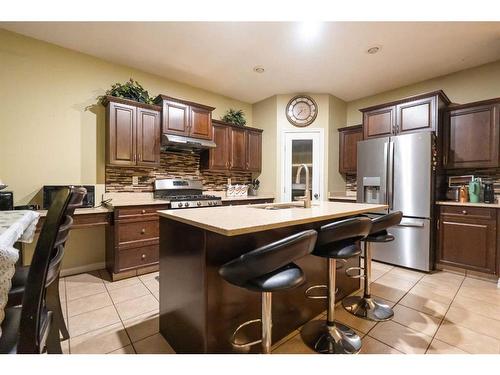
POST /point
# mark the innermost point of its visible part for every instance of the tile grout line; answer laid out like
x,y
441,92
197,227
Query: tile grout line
x,y
114,305
108,325
399,300
443,318
458,324
67,314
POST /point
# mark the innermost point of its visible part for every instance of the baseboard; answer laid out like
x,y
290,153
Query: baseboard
x,y
82,269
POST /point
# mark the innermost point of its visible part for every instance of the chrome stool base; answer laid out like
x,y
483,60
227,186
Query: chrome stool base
x,y
325,339
368,308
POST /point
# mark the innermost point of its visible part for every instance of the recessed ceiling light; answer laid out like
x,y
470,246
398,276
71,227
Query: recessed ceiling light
x,y
373,50
259,69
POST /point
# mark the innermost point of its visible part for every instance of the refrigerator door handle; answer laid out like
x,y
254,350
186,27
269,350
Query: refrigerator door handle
x,y
390,176
413,223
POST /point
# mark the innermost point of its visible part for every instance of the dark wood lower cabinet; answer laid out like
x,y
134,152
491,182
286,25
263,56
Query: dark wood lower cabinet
x,y
132,243
199,311
467,238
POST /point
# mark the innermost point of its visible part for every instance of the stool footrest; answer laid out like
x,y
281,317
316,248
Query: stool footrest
x,y
359,275
245,344
311,288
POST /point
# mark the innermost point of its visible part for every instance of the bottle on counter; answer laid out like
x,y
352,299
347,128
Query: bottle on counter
x,y
474,191
489,192
463,197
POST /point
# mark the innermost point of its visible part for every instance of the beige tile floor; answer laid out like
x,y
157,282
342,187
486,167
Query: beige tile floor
x,y
434,313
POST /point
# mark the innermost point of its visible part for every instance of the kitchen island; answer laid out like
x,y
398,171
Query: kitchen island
x,y
199,311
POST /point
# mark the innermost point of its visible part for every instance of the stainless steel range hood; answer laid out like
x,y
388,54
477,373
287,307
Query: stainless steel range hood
x,y
179,142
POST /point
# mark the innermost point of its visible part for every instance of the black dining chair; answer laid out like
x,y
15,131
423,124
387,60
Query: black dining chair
x,y
30,328
53,300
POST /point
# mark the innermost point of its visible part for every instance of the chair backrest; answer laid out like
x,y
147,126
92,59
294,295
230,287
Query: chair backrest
x,y
343,233
47,256
381,223
268,258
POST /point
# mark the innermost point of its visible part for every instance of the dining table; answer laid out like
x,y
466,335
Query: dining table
x,y
15,226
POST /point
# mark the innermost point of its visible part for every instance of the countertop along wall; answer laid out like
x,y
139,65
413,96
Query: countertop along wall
x,y
52,130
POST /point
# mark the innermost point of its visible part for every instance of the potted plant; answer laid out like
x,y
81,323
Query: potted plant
x,y
131,90
235,117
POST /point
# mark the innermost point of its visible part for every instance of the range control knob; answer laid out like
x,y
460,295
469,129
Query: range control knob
x,y
179,205
198,203
209,203
186,204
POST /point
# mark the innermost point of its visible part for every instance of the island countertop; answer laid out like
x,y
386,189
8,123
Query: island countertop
x,y
236,220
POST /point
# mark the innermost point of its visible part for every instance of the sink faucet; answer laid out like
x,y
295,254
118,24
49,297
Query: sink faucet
x,y
307,196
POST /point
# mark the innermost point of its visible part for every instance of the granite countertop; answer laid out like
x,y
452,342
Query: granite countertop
x,y
83,211
468,204
236,220
144,199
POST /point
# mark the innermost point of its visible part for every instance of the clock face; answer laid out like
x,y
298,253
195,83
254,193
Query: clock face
x,y
301,110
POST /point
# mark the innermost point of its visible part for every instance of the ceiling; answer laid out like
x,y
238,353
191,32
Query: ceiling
x,y
297,57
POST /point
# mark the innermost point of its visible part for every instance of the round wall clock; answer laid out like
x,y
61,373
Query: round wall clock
x,y
301,110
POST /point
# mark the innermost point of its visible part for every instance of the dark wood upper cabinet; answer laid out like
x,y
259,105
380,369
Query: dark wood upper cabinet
x,y
200,123
348,149
417,113
379,122
132,133
467,238
254,151
148,137
472,136
238,149
175,118
120,129
181,117
219,156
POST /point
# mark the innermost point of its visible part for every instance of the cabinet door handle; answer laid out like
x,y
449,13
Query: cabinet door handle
x,y
143,212
143,230
140,157
143,256
464,212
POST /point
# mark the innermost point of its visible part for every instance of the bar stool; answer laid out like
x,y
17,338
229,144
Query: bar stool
x,y
336,241
367,307
268,269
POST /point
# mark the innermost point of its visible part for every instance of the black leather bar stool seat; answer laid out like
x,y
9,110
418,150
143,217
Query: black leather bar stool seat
x,y
268,269
367,307
338,240
290,276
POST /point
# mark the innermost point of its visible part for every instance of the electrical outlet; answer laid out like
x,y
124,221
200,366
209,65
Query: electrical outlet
x,y
135,180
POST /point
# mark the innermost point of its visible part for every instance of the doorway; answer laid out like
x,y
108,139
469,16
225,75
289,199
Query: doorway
x,y
302,147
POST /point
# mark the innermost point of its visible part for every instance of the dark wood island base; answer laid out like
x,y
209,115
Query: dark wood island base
x,y
199,311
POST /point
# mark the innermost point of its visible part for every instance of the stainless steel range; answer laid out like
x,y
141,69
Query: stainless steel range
x,y
184,193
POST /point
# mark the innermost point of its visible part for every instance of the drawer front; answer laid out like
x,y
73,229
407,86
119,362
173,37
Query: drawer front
x,y
138,231
138,211
138,257
467,211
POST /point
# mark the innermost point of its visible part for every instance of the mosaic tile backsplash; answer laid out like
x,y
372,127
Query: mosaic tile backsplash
x,y
173,164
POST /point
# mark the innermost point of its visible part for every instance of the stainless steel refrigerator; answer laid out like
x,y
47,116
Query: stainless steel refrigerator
x,y
398,171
